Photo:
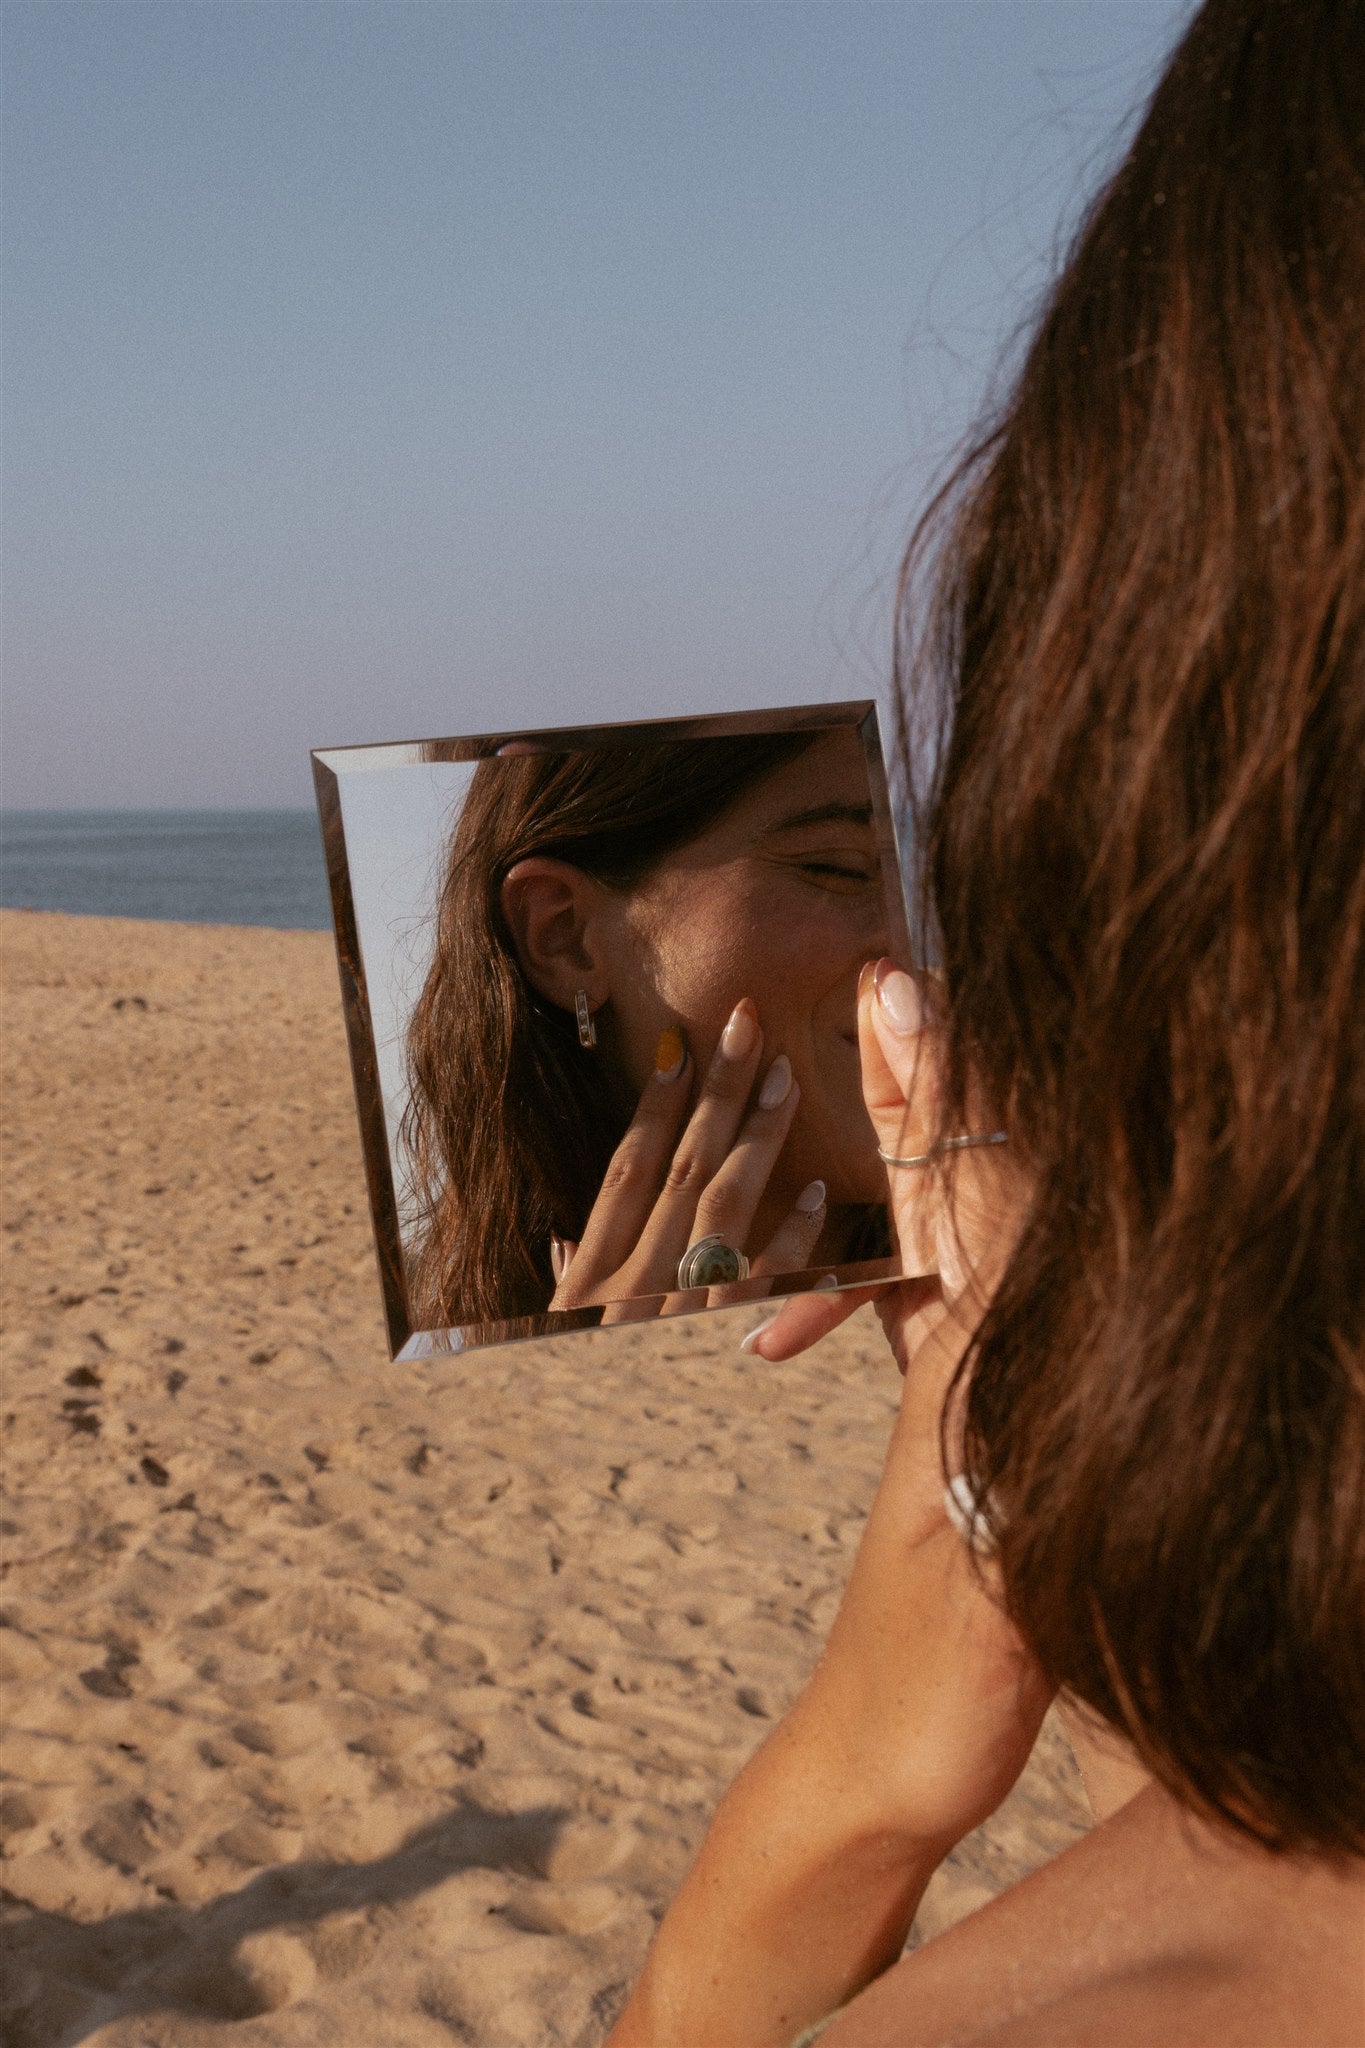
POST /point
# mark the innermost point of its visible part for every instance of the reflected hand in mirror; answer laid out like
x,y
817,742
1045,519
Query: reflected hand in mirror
x,y
675,1179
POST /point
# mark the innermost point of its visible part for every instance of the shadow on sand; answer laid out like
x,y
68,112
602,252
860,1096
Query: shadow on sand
x,y
67,1977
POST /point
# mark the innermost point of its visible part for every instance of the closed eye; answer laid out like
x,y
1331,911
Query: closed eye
x,y
840,877
842,860
829,867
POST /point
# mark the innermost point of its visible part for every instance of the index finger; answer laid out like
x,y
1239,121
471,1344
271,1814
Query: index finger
x,y
805,1319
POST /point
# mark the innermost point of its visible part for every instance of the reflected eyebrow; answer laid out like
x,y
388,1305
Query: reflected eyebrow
x,y
822,814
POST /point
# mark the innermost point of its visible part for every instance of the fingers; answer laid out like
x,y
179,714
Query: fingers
x,y
726,1208
804,1320
899,1054
963,1227
900,1087
561,1258
642,1308
798,1324
789,1248
674,1180
646,1211
687,1203
633,1178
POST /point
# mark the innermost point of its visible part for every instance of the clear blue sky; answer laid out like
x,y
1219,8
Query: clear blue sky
x,y
382,370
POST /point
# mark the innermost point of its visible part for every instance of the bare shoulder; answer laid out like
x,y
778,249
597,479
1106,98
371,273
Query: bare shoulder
x,y
1153,1928
1184,2003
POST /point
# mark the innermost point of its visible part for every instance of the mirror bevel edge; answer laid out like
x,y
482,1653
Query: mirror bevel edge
x,y
369,1101
375,754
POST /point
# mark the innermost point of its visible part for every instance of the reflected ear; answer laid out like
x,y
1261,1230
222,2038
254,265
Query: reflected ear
x,y
552,911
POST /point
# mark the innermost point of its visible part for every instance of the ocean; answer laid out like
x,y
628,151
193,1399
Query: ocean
x,y
195,867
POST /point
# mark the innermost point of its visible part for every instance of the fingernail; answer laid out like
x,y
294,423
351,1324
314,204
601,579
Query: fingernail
x,y
748,1343
812,1198
825,1281
899,998
738,1038
670,1054
558,1262
777,1083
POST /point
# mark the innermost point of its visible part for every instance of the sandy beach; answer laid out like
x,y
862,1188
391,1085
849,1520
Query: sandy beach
x,y
347,1703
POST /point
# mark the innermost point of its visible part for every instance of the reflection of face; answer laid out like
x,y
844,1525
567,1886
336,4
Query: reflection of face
x,y
780,900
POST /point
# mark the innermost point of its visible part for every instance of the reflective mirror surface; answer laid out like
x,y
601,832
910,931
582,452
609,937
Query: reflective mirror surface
x,y
600,991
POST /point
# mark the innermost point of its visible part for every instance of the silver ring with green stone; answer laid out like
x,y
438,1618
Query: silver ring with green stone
x,y
711,1262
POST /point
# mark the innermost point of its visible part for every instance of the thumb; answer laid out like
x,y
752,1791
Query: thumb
x,y
900,1065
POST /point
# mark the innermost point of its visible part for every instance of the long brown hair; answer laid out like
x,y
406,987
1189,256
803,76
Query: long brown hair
x,y
1142,601
509,1124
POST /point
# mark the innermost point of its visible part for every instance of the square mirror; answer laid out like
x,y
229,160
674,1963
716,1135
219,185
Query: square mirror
x,y
541,938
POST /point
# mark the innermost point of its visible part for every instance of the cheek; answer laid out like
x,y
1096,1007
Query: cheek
x,y
699,982
805,947
699,940
785,949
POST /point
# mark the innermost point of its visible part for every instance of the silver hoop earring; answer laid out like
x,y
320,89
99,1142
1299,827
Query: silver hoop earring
x,y
587,1030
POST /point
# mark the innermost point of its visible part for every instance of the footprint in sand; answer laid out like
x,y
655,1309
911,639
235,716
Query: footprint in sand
x,y
457,1654
285,1730
276,1968
266,1971
132,1833
585,1848
23,1811
257,1845
343,1943
565,1909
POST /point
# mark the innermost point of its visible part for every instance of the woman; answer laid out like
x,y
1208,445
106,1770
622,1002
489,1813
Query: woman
x,y
613,921
1130,1460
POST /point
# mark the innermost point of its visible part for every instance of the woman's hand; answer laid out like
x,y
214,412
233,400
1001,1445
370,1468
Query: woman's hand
x,y
983,1698
956,1219
675,1178
925,1703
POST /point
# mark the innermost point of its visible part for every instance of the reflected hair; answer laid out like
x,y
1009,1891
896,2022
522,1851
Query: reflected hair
x,y
1139,604
509,1124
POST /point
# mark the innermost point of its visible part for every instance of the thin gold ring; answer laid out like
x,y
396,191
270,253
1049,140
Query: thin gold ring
x,y
962,1144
